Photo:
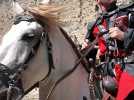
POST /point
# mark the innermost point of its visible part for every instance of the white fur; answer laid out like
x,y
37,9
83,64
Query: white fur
x,y
8,52
17,31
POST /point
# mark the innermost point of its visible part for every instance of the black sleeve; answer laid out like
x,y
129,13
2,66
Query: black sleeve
x,y
129,40
131,20
89,35
129,35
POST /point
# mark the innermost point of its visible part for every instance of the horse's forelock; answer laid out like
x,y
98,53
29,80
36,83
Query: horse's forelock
x,y
46,13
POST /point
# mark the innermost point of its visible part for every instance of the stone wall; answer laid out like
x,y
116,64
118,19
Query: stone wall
x,y
76,15
5,16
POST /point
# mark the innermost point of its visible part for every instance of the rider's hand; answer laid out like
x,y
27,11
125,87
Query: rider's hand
x,y
85,44
116,33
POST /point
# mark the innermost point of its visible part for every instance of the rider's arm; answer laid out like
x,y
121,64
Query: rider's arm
x,y
129,39
129,35
88,37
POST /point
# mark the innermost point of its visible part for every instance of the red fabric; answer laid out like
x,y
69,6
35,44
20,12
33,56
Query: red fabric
x,y
126,85
118,71
102,46
121,21
101,41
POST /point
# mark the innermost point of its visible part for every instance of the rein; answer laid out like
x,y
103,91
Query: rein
x,y
78,61
10,79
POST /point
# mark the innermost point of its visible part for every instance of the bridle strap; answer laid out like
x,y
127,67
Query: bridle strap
x,y
24,17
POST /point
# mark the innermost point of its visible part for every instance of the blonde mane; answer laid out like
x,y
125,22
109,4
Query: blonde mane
x,y
48,14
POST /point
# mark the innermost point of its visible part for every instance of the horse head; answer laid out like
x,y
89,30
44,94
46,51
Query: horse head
x,y
17,44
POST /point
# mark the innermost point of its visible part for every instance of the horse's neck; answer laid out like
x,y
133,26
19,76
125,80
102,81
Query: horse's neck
x,y
38,67
64,57
64,60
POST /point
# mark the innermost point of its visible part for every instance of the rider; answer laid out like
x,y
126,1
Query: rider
x,y
116,46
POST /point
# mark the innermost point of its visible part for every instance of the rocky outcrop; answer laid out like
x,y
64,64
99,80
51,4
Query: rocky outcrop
x,y
5,16
76,15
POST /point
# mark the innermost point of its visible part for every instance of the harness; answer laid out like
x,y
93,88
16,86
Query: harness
x,y
99,29
24,17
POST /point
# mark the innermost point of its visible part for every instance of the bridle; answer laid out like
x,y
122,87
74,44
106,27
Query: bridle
x,y
24,17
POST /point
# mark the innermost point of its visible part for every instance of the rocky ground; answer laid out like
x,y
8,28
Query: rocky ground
x,y
75,17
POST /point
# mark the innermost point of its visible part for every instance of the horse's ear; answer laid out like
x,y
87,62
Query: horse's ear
x,y
17,8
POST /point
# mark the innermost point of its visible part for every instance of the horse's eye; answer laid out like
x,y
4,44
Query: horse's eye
x,y
28,36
